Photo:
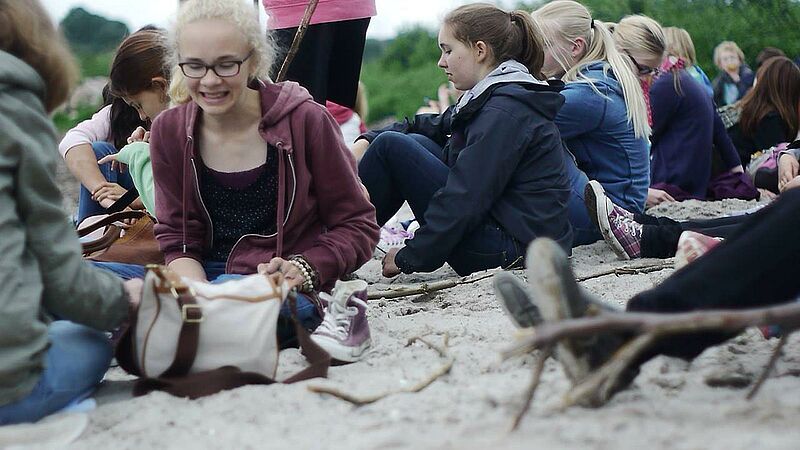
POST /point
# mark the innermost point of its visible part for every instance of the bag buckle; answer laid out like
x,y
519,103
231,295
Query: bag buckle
x,y
192,313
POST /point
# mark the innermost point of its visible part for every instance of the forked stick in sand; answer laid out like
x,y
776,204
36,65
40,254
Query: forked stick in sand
x,y
598,387
427,288
427,381
298,38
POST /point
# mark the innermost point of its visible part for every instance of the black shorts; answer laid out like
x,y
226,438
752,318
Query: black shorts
x,y
328,62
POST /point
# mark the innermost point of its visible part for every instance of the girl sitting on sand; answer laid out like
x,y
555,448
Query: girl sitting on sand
x,y
138,88
252,176
604,117
686,126
52,303
487,176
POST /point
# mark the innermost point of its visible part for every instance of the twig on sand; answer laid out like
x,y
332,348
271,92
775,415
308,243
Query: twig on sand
x,y
298,38
776,354
598,387
443,351
427,288
632,269
545,354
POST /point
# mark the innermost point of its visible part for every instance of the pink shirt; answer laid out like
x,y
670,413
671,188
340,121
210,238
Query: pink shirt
x,y
289,13
98,128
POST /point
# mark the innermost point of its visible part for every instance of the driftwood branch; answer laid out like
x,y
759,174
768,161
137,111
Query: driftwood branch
x,y
531,391
298,38
442,350
776,354
599,386
548,333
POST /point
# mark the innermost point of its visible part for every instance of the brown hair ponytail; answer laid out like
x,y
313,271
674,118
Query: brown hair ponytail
x,y
511,35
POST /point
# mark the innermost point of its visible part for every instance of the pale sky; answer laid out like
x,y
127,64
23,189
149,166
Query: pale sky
x,y
393,15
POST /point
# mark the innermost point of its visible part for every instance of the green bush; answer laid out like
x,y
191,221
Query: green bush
x,y
67,120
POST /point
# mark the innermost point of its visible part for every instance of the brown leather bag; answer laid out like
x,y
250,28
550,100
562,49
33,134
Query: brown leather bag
x,y
137,245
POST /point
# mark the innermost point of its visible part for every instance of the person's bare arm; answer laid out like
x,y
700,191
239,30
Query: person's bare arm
x,y
82,163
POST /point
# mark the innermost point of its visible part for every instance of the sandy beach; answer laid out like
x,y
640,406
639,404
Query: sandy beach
x,y
671,405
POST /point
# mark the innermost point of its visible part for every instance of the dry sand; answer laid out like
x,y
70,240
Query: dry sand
x,y
671,405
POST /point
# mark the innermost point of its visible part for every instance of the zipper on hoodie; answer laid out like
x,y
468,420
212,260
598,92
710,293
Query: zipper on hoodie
x,y
200,196
285,220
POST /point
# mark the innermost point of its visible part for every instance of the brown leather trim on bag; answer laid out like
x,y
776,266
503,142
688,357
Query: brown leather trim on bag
x,y
109,220
201,384
189,337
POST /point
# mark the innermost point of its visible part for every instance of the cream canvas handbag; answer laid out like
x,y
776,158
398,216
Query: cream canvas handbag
x,y
219,336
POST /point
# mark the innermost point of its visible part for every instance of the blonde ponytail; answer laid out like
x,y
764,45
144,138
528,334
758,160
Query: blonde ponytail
x,y
569,21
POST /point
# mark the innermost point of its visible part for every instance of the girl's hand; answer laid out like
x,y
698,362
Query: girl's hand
x,y
793,183
657,197
108,191
291,273
767,195
788,168
115,165
390,269
139,135
134,289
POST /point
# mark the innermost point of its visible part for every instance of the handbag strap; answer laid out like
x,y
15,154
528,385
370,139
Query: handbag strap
x,y
109,220
123,202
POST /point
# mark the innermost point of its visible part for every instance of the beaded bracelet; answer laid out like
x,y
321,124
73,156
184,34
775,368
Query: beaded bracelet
x,y
308,272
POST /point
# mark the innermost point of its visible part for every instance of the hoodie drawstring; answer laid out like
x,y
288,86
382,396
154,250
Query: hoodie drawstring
x,y
281,196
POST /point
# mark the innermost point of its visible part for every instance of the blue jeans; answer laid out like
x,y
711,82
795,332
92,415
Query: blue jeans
x,y
307,313
75,363
399,167
86,205
585,231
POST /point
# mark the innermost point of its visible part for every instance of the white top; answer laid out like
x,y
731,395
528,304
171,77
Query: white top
x,y
98,128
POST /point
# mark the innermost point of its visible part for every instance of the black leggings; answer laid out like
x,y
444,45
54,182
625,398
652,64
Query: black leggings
x,y
660,234
756,266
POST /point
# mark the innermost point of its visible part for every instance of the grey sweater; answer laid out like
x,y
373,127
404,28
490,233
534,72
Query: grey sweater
x,y
41,269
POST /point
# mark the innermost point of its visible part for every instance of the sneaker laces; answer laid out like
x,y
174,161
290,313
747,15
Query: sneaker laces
x,y
337,317
395,236
628,226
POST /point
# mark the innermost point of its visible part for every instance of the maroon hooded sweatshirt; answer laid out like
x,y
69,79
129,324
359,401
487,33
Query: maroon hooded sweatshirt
x,y
327,218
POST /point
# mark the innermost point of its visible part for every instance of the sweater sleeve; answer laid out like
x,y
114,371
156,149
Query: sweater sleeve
x,y
351,231
724,145
664,101
137,158
91,130
35,228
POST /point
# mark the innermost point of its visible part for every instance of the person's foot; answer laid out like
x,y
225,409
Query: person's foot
x,y
344,331
559,297
514,297
617,225
692,245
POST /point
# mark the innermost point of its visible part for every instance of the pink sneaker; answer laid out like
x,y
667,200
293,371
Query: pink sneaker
x,y
344,331
620,231
692,245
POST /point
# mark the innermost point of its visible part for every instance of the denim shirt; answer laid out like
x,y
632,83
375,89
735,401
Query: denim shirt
x,y
596,131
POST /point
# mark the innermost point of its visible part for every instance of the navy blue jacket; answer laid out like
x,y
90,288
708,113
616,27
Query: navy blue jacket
x,y
506,162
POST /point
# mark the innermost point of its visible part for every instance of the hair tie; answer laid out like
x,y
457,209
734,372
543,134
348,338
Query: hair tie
x,y
591,23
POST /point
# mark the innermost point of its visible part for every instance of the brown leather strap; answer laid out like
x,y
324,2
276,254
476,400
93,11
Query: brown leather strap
x,y
189,337
110,219
318,359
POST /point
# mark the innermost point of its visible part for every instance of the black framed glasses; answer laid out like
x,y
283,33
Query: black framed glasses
x,y
643,70
223,69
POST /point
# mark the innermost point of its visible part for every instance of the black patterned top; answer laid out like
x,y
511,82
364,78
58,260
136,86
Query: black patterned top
x,y
240,203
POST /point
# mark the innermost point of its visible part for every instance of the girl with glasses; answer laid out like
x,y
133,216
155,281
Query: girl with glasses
x,y
686,126
253,176
604,118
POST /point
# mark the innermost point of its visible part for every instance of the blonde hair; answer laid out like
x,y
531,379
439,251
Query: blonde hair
x,y
727,46
680,44
569,20
641,34
239,13
27,33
